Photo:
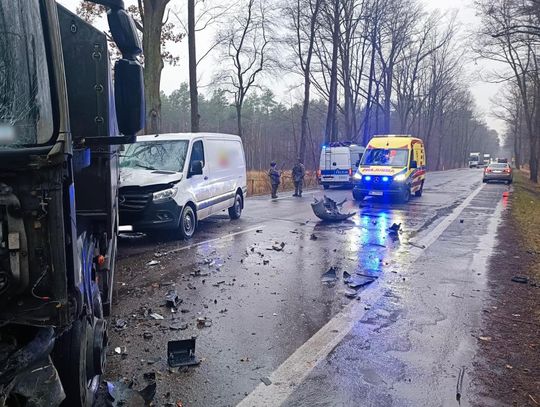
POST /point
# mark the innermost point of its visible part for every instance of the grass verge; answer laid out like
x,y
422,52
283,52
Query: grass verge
x,y
525,211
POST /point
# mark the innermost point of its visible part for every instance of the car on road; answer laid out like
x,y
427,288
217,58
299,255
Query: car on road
x,y
172,181
393,166
498,172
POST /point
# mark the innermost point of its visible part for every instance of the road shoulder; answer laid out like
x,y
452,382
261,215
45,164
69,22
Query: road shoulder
x,y
507,367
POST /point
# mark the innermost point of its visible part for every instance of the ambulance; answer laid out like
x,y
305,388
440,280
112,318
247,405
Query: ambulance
x,y
392,166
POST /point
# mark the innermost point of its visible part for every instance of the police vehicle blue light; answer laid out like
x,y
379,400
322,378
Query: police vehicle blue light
x,y
367,177
385,179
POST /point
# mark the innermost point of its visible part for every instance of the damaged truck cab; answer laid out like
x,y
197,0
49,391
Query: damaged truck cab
x,y
61,123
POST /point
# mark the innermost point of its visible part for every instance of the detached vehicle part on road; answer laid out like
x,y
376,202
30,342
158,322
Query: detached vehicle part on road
x,y
338,163
498,172
59,131
172,181
393,166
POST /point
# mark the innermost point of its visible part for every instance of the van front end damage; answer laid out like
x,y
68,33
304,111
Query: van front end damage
x,y
27,375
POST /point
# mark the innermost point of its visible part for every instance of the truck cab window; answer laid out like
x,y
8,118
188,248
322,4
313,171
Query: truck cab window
x,y
25,97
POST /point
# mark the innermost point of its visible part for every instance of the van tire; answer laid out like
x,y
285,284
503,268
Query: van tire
x,y
419,193
405,196
358,196
235,211
188,223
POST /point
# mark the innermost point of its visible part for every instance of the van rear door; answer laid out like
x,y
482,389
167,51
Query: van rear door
x,y
337,166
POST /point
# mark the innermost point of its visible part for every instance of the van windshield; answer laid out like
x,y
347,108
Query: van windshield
x,y
386,157
156,156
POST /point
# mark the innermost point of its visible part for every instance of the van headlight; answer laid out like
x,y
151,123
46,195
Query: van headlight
x,y
165,195
357,176
400,178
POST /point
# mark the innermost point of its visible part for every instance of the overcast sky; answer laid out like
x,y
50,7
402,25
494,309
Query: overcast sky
x,y
482,90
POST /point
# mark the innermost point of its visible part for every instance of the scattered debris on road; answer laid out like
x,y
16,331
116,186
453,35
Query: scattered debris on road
x,y
172,300
156,316
395,228
204,322
330,276
520,279
266,381
313,237
278,247
123,394
359,281
459,385
153,263
182,353
329,210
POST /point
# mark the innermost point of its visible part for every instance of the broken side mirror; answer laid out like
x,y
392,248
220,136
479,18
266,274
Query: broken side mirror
x,y
196,168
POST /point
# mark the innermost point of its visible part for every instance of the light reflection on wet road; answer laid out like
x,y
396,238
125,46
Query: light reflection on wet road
x,y
265,304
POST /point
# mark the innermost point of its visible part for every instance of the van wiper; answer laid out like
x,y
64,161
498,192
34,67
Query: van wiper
x,y
146,167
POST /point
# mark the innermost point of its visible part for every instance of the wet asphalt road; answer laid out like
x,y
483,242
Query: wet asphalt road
x,y
403,342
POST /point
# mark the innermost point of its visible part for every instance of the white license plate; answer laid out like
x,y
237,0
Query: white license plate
x,y
125,229
376,193
497,172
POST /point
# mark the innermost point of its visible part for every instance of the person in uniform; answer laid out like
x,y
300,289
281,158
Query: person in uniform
x,y
275,178
298,174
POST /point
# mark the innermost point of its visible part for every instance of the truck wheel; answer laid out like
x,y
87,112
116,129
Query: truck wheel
x,y
188,223
70,357
325,186
420,191
358,196
235,211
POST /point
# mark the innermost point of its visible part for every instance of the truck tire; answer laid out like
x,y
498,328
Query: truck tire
x,y
420,191
70,360
358,196
188,223
235,211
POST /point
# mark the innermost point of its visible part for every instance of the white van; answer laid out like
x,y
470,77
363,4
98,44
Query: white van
x,y
338,163
172,181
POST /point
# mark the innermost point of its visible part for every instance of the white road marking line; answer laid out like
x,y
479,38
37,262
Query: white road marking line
x,y
291,373
181,249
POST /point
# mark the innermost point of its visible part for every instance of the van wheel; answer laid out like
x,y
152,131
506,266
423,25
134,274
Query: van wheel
x,y
235,211
406,195
420,191
188,223
358,196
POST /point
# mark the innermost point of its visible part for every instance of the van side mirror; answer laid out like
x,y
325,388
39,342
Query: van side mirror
x,y
196,168
414,164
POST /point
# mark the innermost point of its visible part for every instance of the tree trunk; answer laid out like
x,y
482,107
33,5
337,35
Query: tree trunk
x,y
238,107
154,12
193,91
331,118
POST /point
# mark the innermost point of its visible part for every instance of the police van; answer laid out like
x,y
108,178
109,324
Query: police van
x,y
338,163
393,166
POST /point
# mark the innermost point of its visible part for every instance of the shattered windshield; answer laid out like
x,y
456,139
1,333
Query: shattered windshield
x,y
388,157
156,156
25,99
